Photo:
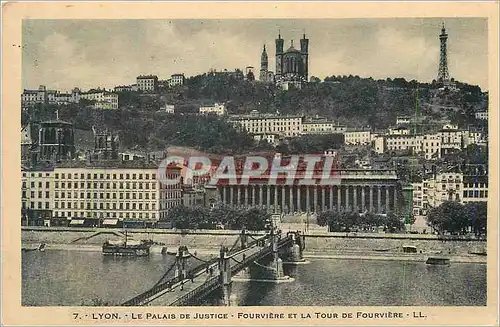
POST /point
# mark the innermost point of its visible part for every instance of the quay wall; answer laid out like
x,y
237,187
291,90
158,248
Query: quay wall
x,y
315,242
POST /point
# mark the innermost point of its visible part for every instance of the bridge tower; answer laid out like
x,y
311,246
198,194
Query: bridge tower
x,y
277,263
225,276
244,239
182,257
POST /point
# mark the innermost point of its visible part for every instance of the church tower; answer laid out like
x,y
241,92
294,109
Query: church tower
x,y
304,50
263,65
279,56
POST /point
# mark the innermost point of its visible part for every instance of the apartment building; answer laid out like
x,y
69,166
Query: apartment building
x,y
475,188
176,80
102,99
217,108
321,126
147,83
254,123
357,136
127,191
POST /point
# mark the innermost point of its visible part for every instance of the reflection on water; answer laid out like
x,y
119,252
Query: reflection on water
x,y
53,278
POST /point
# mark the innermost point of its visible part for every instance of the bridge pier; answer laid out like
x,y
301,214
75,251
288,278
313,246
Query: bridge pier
x,y
180,268
225,277
295,250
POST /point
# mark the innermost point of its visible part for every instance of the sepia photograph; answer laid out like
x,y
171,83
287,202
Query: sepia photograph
x,y
239,163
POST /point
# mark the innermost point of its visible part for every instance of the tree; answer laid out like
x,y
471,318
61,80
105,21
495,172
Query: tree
x,y
450,216
477,216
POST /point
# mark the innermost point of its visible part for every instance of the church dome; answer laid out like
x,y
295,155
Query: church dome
x,y
291,49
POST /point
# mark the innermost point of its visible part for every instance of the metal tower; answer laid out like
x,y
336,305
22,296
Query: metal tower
x,y
443,75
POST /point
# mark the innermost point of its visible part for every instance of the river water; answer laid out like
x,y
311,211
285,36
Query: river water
x,y
74,278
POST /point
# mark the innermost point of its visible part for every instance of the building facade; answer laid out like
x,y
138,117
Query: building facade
x,y
101,99
147,83
100,192
176,80
292,65
360,190
287,126
217,109
357,136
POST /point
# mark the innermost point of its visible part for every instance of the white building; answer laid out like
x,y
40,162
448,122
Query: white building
x,y
102,99
168,108
431,146
451,139
176,79
217,108
436,190
285,126
42,95
482,115
321,126
100,192
399,131
402,142
357,136
403,120
147,83
270,138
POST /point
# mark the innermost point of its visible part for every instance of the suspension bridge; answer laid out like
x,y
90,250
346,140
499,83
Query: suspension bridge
x,y
190,287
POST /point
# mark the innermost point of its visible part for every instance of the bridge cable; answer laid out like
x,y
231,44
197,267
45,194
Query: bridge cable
x,y
165,274
237,261
195,257
235,243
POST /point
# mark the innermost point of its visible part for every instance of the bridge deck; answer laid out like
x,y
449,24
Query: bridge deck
x,y
203,282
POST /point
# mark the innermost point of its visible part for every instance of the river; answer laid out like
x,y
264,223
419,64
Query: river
x,y
74,278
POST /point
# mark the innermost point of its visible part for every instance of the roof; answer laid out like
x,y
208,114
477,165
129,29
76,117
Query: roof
x,y
148,76
56,121
292,49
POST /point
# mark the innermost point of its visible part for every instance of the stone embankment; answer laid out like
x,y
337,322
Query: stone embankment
x,y
319,243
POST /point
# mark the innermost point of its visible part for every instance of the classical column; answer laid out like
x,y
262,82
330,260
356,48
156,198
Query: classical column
x,y
268,196
323,199
339,198
275,204
224,194
238,195
387,199
308,203
347,197
246,192
379,200
355,198
371,198
231,195
283,199
331,197
363,198
299,205
261,195
253,194
395,197
290,197
315,198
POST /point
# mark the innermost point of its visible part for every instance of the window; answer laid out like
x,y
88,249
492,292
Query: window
x,y
47,195
47,184
101,176
95,176
127,195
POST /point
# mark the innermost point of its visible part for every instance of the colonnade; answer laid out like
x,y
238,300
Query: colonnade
x,y
377,198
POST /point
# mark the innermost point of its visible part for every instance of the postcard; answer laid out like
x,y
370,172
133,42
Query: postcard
x,y
250,163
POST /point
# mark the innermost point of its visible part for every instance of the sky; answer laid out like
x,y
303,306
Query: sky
x,y
63,54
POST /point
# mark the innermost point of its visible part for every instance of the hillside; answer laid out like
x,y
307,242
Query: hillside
x,y
350,100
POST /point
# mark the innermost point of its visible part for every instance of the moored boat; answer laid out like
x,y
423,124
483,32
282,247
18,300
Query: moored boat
x,y
127,247
437,261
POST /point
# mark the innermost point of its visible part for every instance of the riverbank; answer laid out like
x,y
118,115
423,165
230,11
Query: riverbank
x,y
372,246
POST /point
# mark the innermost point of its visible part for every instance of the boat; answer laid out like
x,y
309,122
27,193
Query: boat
x,y
437,261
40,248
127,247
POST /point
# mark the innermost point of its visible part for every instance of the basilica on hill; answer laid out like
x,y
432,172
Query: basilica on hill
x,y
292,65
